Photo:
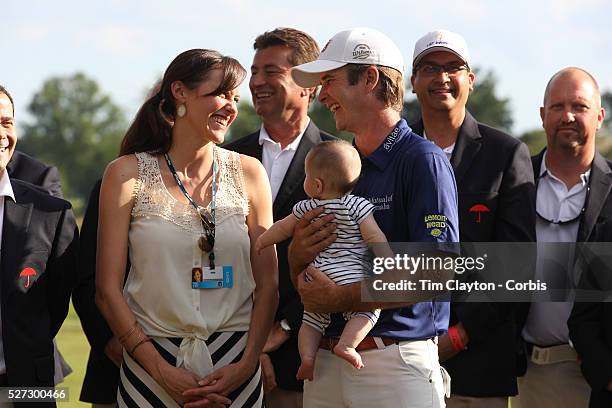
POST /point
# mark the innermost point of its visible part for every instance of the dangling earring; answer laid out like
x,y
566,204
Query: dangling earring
x,y
181,110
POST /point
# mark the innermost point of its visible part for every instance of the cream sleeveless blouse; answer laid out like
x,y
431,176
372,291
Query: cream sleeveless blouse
x,y
163,237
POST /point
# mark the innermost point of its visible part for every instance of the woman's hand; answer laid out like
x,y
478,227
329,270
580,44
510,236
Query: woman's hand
x,y
176,380
114,351
220,383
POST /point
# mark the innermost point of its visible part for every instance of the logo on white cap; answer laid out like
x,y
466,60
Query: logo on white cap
x,y
362,51
441,40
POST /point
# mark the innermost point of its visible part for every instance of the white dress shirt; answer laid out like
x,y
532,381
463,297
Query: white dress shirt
x,y
6,190
276,160
547,321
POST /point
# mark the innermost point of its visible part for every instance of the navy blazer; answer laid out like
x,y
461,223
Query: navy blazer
x,y
492,169
590,324
38,272
286,359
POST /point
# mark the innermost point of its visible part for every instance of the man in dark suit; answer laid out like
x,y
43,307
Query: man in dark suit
x,y
286,136
26,168
493,174
573,200
590,324
37,268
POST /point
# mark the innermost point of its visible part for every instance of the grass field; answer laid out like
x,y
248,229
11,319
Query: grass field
x,y
75,349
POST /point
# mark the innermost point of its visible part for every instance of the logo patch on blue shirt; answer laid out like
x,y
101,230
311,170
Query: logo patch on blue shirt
x,y
391,139
435,224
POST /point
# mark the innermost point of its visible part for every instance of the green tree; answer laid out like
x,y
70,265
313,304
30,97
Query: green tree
x,y
246,122
535,140
486,106
483,103
75,127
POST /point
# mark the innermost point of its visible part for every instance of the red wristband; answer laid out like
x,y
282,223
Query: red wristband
x,y
455,338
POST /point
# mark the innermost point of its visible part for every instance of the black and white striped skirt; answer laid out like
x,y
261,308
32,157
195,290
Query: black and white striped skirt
x,y
137,388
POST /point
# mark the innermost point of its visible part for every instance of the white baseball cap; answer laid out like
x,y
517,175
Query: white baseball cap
x,y
441,40
356,46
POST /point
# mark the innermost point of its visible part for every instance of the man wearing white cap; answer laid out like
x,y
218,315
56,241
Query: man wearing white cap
x,y
408,179
494,174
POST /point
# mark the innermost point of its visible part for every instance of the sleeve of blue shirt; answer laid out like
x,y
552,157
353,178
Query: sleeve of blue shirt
x,y
434,197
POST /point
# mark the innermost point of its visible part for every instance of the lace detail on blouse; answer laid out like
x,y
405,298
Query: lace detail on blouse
x,y
152,198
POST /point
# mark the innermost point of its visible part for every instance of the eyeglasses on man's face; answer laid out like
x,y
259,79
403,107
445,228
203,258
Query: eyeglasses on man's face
x,y
430,69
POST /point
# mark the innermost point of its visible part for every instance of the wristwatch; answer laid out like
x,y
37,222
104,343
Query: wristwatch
x,y
284,325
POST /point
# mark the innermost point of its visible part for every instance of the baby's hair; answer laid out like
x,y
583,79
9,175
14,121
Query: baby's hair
x,y
337,163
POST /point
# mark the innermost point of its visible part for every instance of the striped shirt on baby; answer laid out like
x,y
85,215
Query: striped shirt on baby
x,y
347,260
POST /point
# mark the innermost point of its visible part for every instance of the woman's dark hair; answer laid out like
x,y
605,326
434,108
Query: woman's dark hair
x,y
151,130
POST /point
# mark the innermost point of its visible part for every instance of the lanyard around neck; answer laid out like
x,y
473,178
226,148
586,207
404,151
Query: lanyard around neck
x,y
207,225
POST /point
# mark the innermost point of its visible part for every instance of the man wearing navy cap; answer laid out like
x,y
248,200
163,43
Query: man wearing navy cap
x,y
494,174
408,179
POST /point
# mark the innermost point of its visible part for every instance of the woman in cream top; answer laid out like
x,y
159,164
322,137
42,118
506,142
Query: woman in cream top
x,y
181,343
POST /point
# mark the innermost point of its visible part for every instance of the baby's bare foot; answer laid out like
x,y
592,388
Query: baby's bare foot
x,y
349,354
306,370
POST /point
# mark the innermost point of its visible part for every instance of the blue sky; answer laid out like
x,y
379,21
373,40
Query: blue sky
x,y
126,45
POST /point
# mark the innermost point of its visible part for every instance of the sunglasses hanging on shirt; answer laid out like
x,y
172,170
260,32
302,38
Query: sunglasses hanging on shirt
x,y
573,219
207,240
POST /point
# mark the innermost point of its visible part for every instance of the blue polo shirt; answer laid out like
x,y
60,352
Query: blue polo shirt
x,y
409,178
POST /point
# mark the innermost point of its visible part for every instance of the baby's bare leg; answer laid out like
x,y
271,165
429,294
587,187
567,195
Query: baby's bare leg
x,y
309,339
356,329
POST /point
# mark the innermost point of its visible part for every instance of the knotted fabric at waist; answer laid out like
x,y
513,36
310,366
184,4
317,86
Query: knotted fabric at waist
x,y
199,354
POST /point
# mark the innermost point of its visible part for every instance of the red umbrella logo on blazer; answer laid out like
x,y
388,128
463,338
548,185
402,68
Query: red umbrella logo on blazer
x,y
26,273
479,209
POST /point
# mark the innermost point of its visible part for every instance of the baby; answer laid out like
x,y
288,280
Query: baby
x,y
332,169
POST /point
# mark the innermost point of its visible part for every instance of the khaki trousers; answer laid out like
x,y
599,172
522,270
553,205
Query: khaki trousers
x,y
279,398
407,375
556,385
461,401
